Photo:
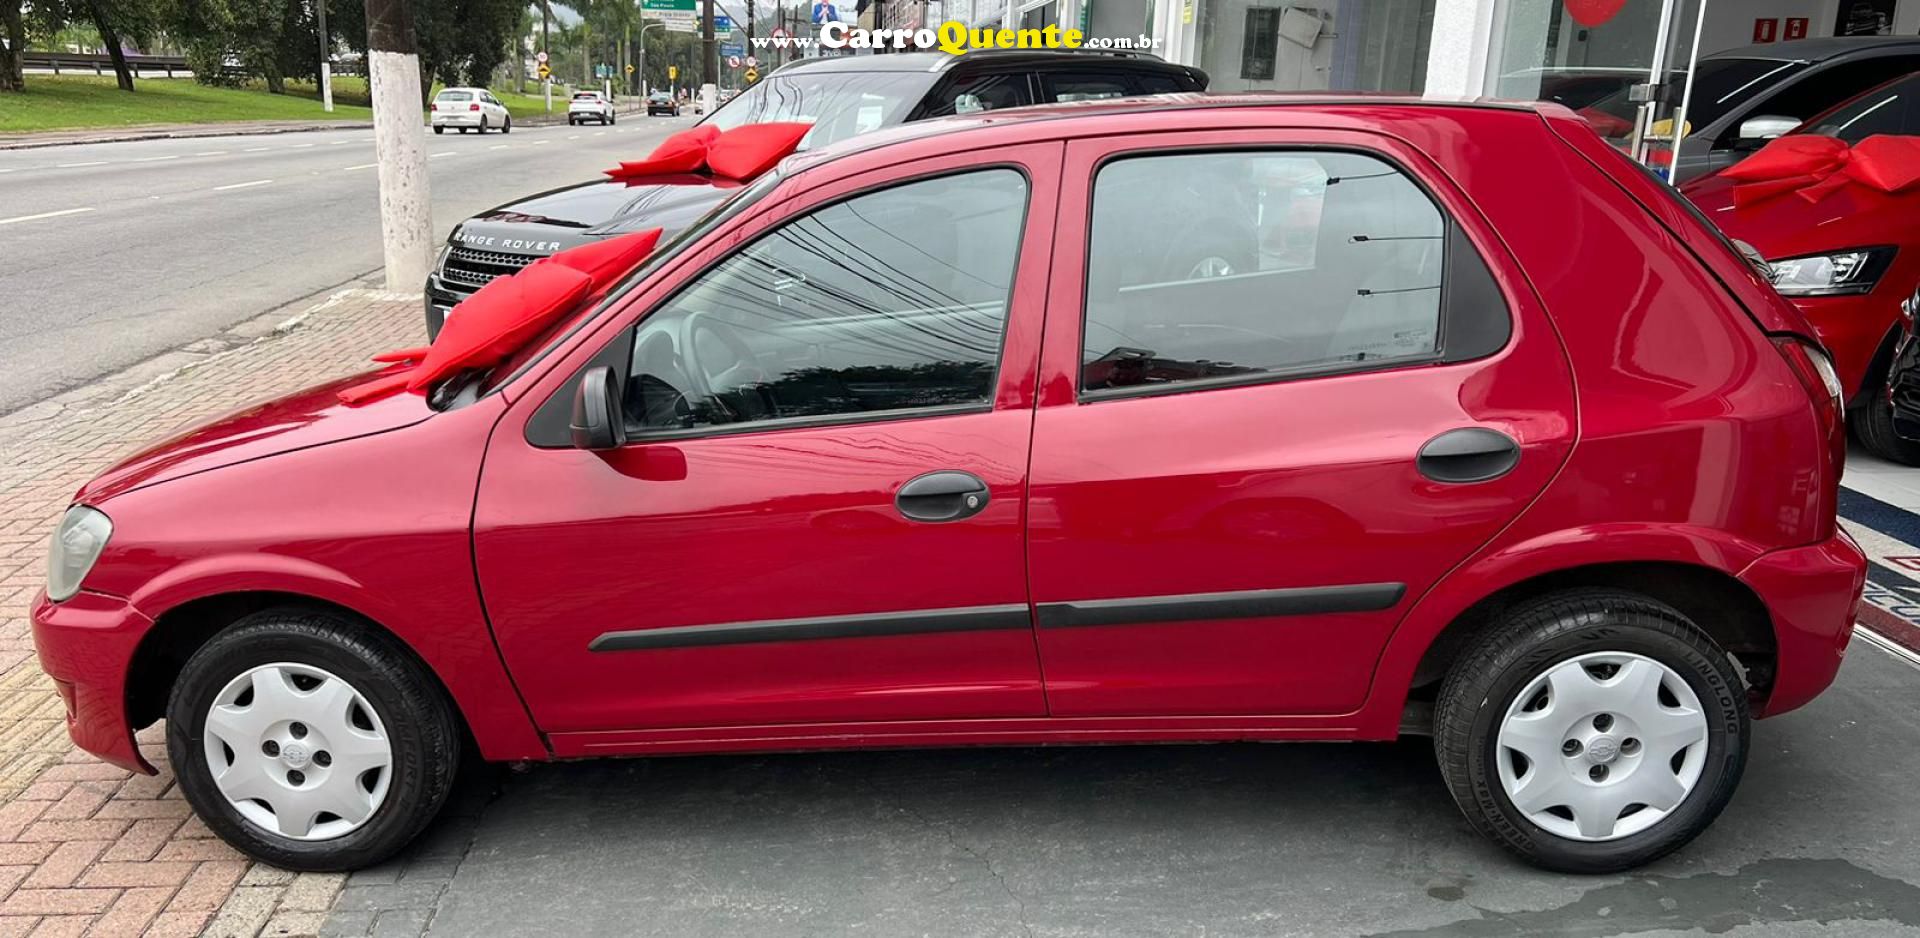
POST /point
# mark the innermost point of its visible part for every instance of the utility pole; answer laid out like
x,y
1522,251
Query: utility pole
x,y
326,59
709,55
399,144
546,23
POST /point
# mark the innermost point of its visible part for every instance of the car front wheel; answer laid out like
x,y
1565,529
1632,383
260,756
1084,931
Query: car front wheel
x,y
310,741
1592,731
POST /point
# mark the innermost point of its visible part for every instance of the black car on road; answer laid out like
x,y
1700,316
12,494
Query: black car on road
x,y
841,97
661,102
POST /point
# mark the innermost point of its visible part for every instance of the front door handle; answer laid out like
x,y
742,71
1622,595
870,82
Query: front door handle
x,y
1469,454
946,495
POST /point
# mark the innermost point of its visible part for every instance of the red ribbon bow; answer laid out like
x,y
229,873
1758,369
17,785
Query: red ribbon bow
x,y
742,153
507,313
1815,166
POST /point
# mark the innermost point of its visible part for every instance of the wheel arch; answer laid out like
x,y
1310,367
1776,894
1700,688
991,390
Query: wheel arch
x,y
1717,602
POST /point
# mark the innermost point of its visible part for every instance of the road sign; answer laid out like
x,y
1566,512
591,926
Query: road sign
x,y
752,75
629,69
657,6
673,72
753,62
679,21
733,61
722,24
545,72
541,58
732,49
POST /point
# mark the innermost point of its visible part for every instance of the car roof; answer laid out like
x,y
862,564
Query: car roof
x,y
1819,50
1145,104
941,62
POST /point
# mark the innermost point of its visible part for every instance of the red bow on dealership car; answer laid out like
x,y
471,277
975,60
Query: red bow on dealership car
x,y
742,153
1815,166
507,313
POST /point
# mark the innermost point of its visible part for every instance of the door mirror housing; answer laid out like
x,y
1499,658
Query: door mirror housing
x,y
598,422
1755,131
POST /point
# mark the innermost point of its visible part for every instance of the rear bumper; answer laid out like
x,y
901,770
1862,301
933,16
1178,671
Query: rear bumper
x,y
86,644
1811,593
457,119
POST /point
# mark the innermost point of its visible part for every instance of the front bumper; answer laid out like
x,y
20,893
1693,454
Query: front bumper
x,y
1811,593
1853,329
86,645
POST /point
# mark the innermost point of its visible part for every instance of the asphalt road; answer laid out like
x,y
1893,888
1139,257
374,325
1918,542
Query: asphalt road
x,y
1823,838
111,253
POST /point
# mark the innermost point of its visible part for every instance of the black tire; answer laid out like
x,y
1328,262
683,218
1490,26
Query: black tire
x,y
439,130
1872,425
408,702
483,125
507,127
1526,641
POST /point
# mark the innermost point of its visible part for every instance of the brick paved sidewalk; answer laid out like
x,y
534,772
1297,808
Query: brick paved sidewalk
x,y
85,848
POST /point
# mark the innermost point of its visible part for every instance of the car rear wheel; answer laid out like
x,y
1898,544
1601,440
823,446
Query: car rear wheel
x,y
483,123
1872,424
1592,731
310,742
507,128
439,130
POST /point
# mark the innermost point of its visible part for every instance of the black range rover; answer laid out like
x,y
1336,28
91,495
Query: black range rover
x,y
840,96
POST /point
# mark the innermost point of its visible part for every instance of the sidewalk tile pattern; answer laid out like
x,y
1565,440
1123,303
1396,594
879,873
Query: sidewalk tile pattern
x,y
86,848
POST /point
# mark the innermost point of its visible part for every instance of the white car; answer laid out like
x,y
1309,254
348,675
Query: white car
x,y
590,106
469,109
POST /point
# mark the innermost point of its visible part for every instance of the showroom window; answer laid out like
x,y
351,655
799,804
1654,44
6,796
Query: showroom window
x,y
1286,263
1263,40
891,301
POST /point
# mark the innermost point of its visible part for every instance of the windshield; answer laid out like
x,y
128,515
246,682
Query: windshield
x,y
454,96
1883,110
838,104
1722,85
586,96
671,244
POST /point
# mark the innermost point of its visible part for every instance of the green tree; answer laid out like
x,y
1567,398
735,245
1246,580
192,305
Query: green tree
x,y
117,21
13,42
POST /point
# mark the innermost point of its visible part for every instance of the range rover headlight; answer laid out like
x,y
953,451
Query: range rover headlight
x,y
77,543
1835,274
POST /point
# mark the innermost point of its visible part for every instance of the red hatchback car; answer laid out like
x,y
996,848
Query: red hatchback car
x,y
1849,259
1452,423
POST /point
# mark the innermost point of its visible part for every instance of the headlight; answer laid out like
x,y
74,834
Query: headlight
x,y
77,543
1841,272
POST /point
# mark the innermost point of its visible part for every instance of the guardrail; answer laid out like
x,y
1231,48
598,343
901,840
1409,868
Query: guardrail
x,y
99,63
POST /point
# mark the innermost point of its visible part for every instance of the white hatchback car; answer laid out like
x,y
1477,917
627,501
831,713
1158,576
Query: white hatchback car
x,y
469,109
590,106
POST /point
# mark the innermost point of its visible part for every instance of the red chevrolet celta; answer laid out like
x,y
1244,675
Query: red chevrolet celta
x,y
1182,419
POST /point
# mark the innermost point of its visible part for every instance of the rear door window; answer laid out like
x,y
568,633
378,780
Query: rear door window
x,y
1288,263
1085,86
973,94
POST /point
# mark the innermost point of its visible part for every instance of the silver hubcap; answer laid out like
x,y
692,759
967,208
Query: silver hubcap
x,y
1602,746
298,751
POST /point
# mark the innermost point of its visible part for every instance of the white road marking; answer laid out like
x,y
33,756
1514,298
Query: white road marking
x,y
359,166
1887,645
541,143
339,143
599,133
5,171
573,136
435,156
299,146
243,185
68,211
256,149
155,159
78,165
500,146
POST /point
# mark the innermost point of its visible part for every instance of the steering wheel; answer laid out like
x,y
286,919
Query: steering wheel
x,y
698,330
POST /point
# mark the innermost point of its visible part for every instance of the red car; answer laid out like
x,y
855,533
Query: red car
x,y
1849,259
939,437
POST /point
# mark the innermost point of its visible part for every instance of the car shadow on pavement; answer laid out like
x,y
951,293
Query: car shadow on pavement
x,y
1335,839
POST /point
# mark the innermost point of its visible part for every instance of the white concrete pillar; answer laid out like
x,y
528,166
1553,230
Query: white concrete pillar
x,y
400,147
1460,47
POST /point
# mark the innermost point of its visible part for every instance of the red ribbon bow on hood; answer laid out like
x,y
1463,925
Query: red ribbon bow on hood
x,y
742,153
1816,166
507,313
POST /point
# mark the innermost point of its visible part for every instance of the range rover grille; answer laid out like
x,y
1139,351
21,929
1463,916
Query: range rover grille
x,y
471,268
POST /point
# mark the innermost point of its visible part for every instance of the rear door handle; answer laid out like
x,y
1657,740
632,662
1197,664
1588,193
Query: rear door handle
x,y
946,495
1469,454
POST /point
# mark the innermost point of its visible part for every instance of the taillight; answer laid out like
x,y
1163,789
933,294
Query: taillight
x,y
473,107
1815,370
433,107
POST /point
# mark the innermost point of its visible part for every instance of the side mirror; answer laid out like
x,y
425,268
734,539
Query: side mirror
x,y
1756,130
598,422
